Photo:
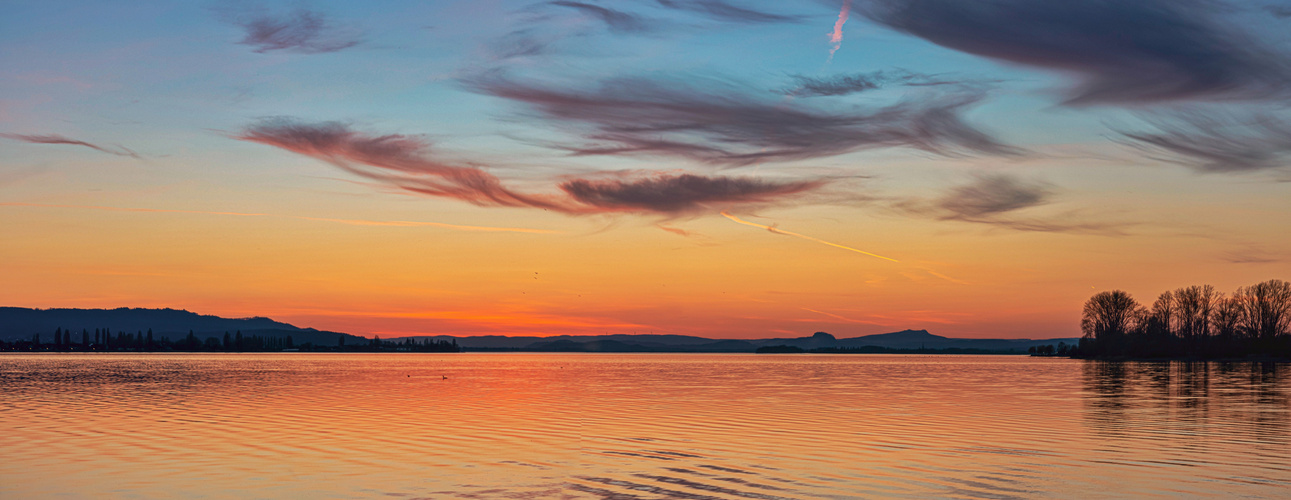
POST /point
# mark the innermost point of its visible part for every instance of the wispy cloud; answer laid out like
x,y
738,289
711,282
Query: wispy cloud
x,y
1217,141
726,124
58,139
407,162
720,10
348,222
616,20
1252,255
839,85
994,200
410,163
684,193
303,31
1128,53
992,194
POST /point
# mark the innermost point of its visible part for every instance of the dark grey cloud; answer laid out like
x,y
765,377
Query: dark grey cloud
x,y
411,163
616,20
682,193
302,31
1279,11
839,85
991,195
727,12
1122,52
725,124
58,139
1217,141
995,200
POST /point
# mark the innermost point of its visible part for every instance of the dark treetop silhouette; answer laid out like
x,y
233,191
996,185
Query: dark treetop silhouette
x,y
1191,322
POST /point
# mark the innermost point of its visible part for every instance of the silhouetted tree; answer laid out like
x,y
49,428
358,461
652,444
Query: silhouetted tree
x,y
1267,308
1107,320
1195,306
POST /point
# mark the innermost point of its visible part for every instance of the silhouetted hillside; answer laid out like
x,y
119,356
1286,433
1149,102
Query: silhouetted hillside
x,y
19,323
906,339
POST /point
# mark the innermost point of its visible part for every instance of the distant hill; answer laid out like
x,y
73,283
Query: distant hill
x,y
19,323
905,339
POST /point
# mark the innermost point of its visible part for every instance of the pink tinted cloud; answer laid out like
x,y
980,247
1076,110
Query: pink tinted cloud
x,y
411,164
58,139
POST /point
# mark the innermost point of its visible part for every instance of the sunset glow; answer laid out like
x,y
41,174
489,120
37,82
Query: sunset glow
x,y
519,168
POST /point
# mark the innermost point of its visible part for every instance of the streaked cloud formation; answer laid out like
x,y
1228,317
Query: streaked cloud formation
x,y
616,20
684,193
720,10
58,139
349,222
720,123
410,163
840,85
990,195
1132,53
995,199
1217,141
302,31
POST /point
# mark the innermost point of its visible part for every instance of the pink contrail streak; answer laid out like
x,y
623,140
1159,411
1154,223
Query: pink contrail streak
x,y
837,36
351,222
803,236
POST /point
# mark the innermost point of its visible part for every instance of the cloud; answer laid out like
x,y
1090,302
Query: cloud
x,y
724,124
1251,256
994,199
684,193
303,31
349,222
616,20
839,85
1122,52
720,10
401,160
1279,11
1217,141
58,139
990,195
411,164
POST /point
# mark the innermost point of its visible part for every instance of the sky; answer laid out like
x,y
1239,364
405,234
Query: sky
x,y
721,168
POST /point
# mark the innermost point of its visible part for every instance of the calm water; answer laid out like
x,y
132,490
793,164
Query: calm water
x,y
634,426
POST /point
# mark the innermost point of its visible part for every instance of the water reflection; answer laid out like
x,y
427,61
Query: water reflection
x,y
637,426
1232,421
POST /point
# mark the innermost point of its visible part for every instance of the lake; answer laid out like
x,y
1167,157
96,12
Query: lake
x,y
638,426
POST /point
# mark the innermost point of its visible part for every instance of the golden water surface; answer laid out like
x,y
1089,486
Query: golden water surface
x,y
638,426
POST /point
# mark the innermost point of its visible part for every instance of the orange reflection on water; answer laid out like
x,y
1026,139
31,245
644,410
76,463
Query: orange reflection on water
x,y
637,426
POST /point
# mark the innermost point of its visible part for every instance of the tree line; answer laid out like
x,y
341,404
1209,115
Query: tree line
x,y
103,340
1190,322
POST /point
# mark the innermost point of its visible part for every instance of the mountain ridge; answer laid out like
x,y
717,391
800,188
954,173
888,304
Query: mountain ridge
x,y
18,323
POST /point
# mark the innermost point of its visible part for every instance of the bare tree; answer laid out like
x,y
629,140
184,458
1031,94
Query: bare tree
x,y
1226,318
1164,318
1108,315
1267,308
1193,307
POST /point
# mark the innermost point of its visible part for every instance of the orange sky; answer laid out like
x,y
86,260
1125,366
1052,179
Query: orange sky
x,y
540,169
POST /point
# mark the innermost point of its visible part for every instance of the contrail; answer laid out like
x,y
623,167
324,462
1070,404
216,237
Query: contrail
x,y
837,36
803,236
351,222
